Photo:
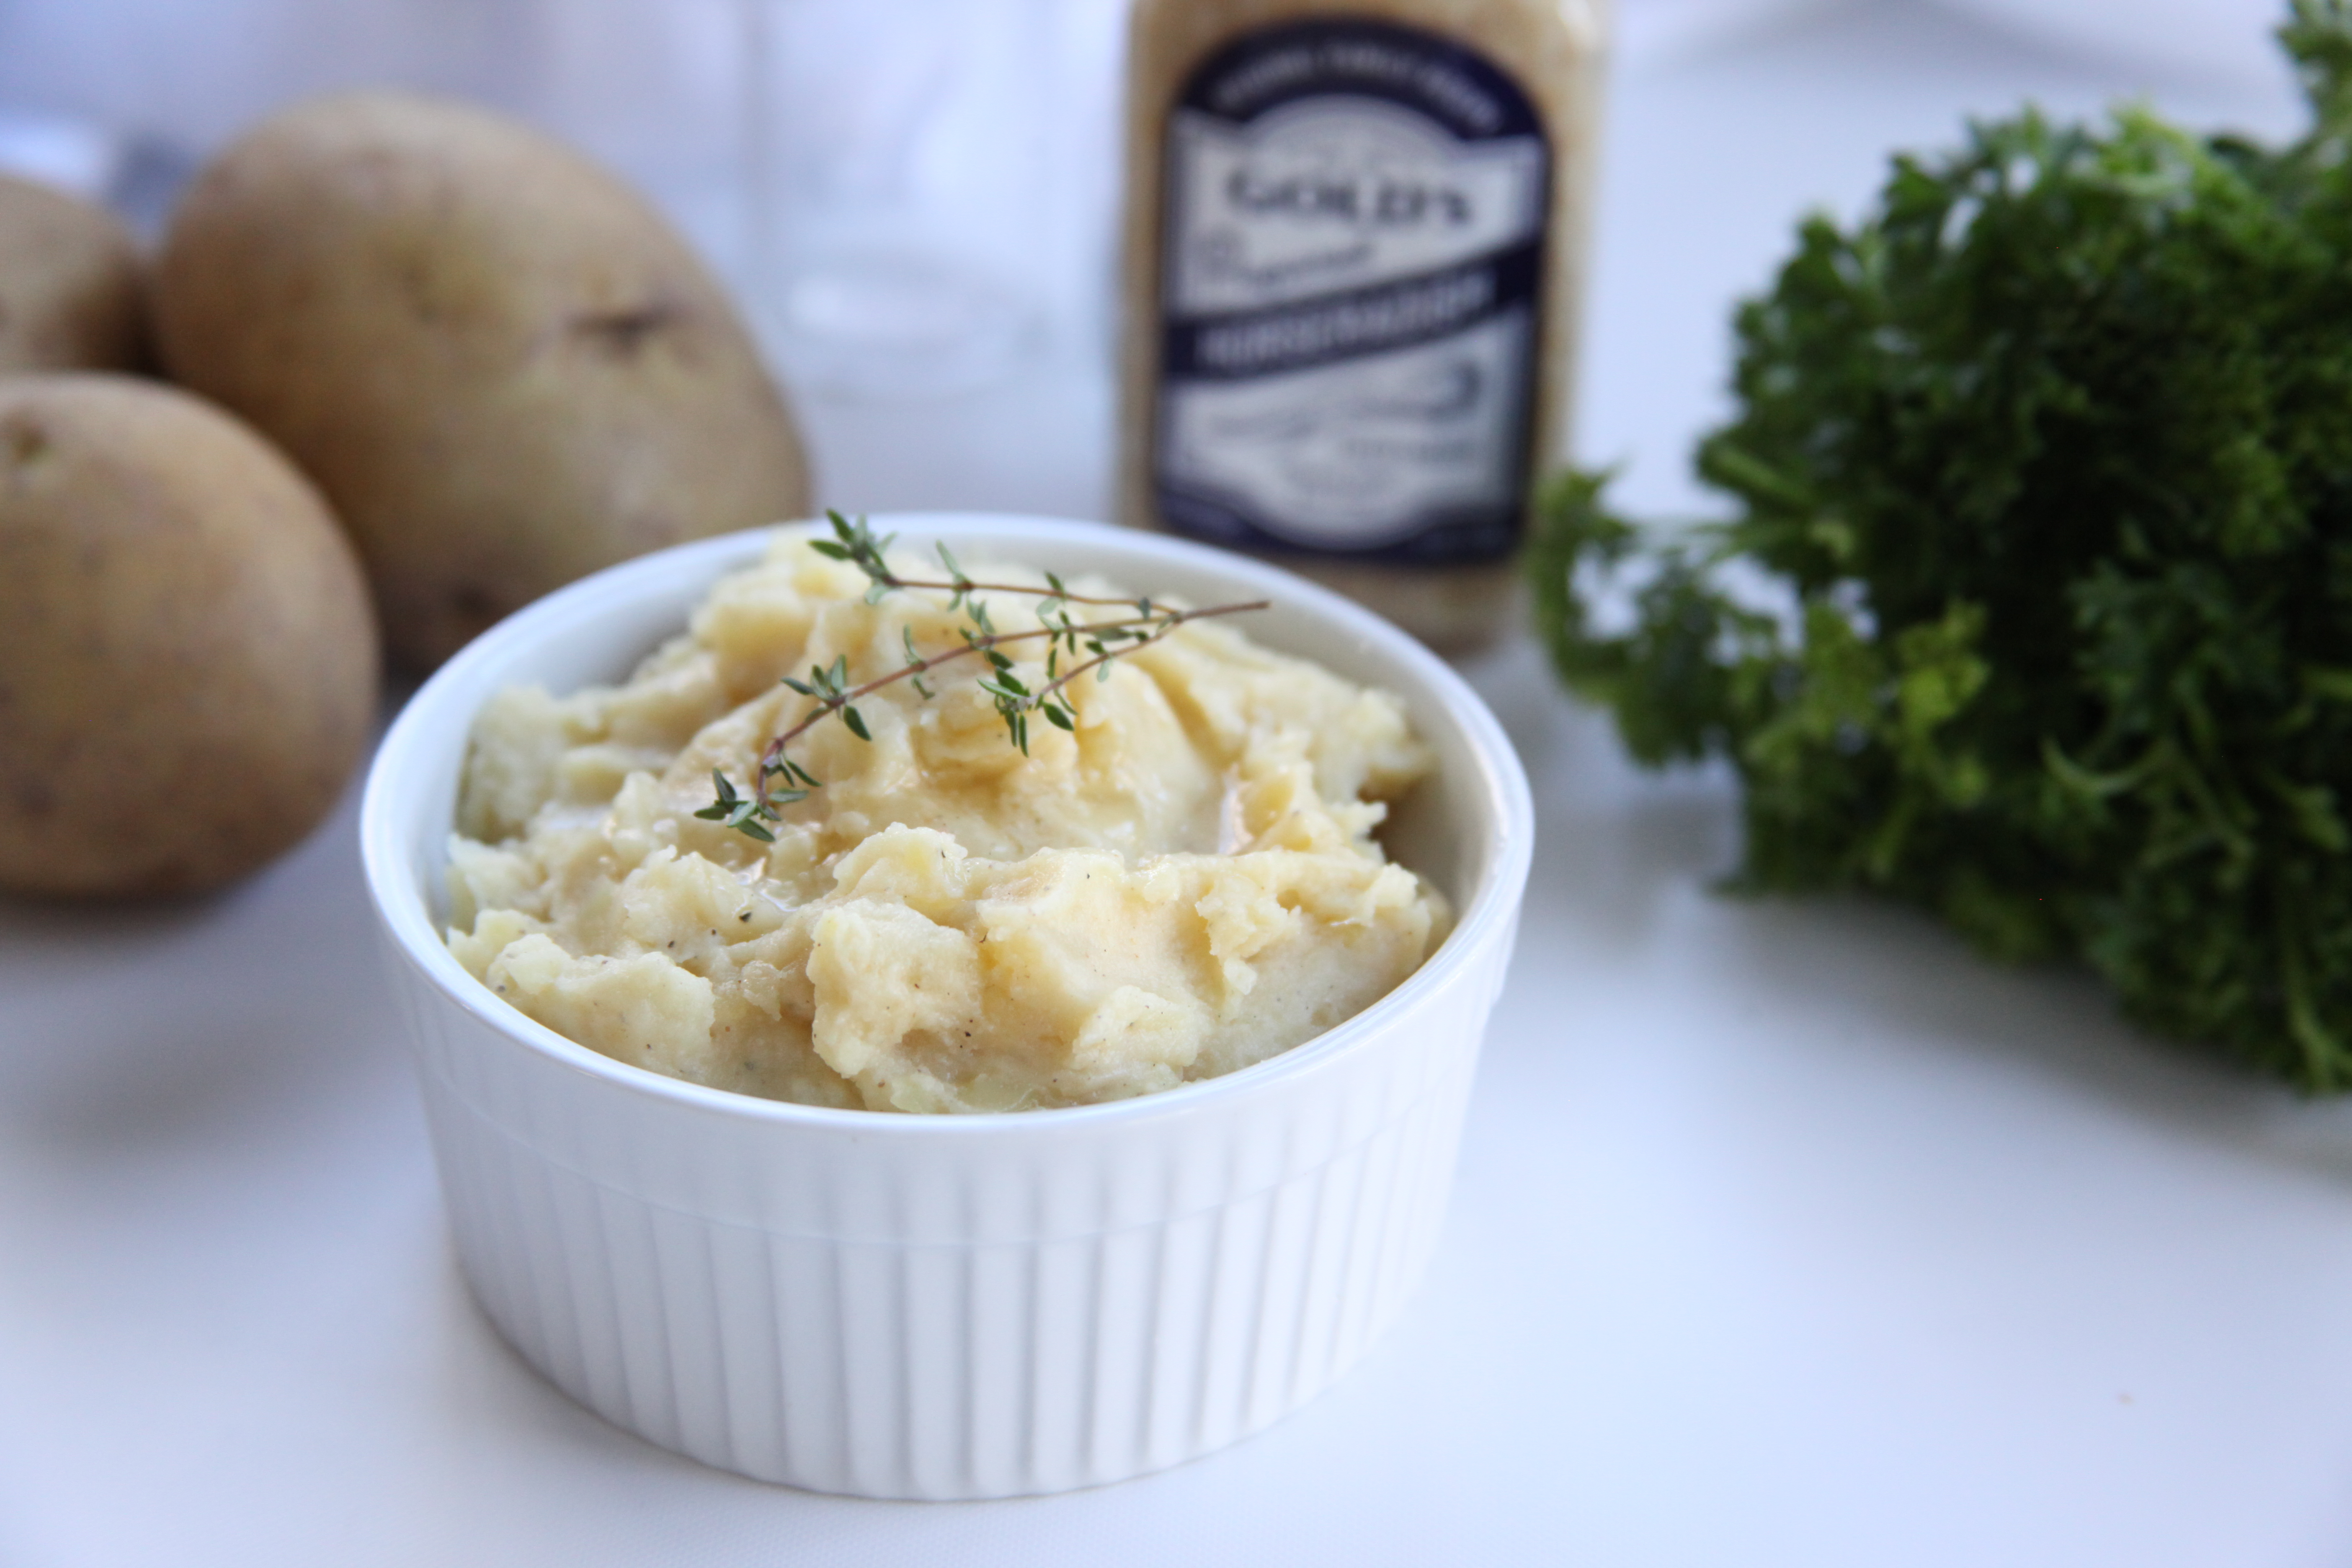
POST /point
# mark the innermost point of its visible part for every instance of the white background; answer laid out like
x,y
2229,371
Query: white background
x,y
1787,1232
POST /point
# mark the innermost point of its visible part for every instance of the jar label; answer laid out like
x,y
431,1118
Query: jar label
x,y
1353,259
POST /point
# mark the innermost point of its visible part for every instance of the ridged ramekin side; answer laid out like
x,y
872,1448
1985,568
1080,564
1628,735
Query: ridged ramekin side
x,y
932,1369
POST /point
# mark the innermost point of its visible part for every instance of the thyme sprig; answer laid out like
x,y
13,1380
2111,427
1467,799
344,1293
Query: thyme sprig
x,y
1073,648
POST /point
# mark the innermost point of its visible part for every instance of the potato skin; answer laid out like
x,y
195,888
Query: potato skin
x,y
501,366
188,663
72,292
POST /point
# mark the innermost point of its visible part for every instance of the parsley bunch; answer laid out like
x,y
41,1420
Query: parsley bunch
x,y
2053,455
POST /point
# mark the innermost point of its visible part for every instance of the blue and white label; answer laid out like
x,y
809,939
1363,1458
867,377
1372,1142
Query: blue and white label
x,y
1354,229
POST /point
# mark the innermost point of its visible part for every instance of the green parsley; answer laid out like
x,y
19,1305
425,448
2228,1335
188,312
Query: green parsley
x,y
2051,454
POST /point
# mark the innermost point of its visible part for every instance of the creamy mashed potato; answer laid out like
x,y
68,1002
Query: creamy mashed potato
x,y
1186,885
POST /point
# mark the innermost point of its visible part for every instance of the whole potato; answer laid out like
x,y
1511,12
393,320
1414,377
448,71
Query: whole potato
x,y
501,366
187,660
70,293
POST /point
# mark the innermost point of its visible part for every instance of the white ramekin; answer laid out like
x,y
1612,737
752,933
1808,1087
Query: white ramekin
x,y
947,1307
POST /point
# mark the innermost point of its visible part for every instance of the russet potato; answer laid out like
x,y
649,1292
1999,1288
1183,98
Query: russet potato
x,y
71,296
187,660
501,364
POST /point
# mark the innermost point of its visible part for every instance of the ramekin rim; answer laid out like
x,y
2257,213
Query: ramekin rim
x,y
404,913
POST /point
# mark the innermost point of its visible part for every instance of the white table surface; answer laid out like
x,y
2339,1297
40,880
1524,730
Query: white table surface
x,y
1785,1234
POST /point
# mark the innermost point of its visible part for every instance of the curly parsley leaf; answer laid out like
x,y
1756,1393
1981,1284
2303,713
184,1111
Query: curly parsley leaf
x,y
2051,452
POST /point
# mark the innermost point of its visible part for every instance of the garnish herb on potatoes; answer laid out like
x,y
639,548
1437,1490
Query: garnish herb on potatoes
x,y
187,659
499,363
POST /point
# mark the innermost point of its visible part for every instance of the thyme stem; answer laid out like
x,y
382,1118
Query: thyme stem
x,y
1165,624
1175,618
856,543
967,586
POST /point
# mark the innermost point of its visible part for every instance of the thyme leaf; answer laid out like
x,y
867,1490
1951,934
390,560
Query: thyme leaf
x,y
830,688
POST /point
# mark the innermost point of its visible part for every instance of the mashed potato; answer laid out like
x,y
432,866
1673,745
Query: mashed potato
x,y
1186,885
